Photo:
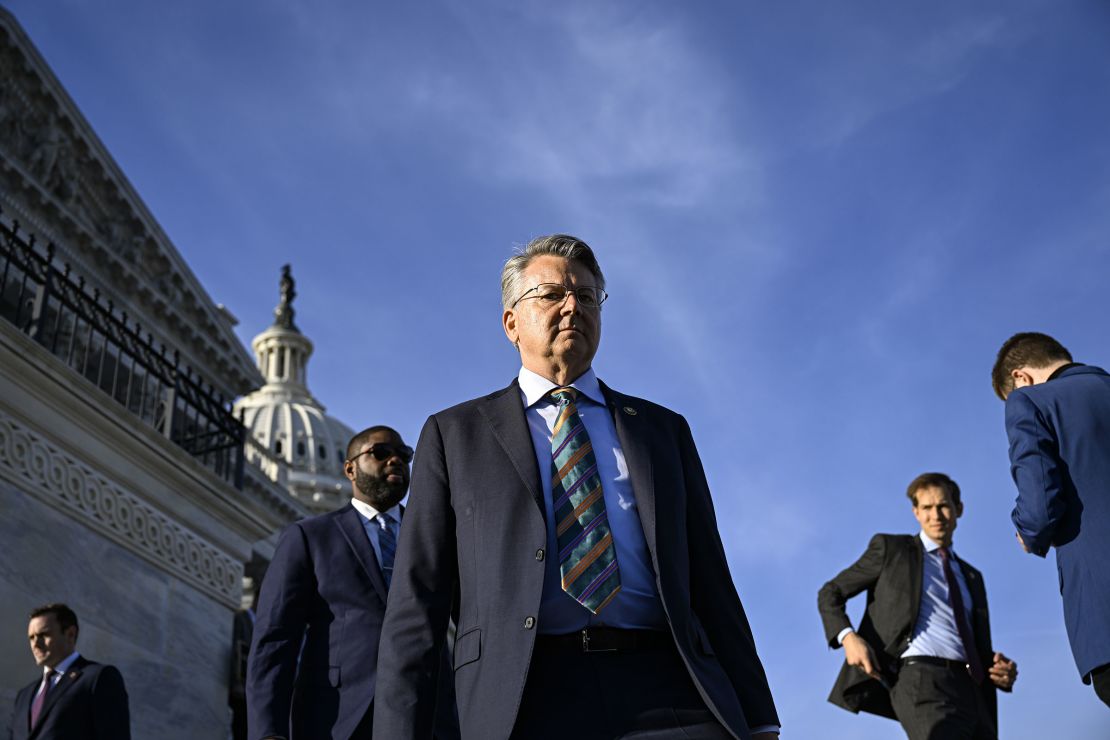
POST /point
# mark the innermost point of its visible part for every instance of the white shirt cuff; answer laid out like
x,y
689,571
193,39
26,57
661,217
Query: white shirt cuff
x,y
842,634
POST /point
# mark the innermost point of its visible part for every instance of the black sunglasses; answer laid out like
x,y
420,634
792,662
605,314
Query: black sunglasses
x,y
383,451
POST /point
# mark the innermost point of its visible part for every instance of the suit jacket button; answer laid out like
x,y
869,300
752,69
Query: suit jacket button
x,y
529,623
539,554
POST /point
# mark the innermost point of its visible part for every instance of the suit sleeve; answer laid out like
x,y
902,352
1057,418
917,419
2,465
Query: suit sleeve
x,y
111,716
282,615
860,575
714,598
420,595
1035,467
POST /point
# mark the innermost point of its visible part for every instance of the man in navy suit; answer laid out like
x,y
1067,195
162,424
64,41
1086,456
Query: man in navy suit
x,y
569,530
74,699
311,670
1058,423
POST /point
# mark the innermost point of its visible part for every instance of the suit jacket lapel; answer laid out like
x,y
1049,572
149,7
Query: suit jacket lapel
x,y
349,522
978,605
23,704
61,686
504,411
633,430
917,574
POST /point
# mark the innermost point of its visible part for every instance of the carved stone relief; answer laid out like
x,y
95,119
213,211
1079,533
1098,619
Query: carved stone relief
x,y
45,144
50,473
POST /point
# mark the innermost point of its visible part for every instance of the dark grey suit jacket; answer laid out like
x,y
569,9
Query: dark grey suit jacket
x,y
891,571
88,703
474,530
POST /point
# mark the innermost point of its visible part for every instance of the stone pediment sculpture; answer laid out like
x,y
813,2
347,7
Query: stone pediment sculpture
x,y
59,181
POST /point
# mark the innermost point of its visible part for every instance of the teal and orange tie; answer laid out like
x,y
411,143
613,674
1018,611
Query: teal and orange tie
x,y
587,557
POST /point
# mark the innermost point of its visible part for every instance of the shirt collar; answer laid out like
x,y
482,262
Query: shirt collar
x,y
370,512
535,387
931,546
62,667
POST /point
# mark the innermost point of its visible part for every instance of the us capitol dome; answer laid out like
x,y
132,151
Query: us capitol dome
x,y
289,434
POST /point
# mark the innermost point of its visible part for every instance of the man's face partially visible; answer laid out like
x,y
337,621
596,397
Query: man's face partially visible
x,y
49,643
380,483
937,514
563,336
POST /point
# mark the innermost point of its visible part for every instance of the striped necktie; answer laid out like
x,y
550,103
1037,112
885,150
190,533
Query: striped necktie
x,y
387,542
587,558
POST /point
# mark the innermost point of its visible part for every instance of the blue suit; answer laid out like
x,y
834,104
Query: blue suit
x,y
324,587
1059,435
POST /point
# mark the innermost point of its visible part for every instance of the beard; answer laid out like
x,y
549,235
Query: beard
x,y
379,492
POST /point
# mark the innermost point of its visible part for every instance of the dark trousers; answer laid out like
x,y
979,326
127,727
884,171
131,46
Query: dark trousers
x,y
938,703
641,695
1100,677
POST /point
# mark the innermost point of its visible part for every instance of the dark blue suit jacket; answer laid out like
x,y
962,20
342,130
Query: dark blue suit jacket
x,y
324,586
1060,458
475,522
88,703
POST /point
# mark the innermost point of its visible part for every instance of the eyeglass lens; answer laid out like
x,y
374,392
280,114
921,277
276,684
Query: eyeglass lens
x,y
587,295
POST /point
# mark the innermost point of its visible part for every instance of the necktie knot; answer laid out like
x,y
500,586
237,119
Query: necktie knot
x,y
563,396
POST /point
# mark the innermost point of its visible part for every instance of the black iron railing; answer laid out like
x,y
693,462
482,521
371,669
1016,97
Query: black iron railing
x,y
58,311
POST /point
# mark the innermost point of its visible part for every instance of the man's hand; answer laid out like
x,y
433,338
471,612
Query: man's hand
x,y
859,654
1021,541
1004,671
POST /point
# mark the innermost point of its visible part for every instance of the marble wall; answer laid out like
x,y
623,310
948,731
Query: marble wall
x,y
171,642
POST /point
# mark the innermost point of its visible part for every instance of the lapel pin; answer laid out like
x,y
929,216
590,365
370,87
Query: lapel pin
x,y
629,410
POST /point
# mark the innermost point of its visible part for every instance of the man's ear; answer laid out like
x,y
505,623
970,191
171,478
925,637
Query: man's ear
x,y
508,323
959,509
1021,377
349,469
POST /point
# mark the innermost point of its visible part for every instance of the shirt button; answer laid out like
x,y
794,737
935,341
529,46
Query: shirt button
x,y
539,554
529,623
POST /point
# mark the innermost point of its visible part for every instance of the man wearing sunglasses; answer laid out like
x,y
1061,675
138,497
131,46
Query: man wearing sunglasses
x,y
569,530
311,670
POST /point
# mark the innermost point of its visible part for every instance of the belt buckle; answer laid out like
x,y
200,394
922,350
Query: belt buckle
x,y
586,644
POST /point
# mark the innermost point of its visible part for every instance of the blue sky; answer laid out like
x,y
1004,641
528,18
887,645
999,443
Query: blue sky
x,y
818,222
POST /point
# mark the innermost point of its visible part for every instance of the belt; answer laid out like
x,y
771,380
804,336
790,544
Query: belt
x,y
605,640
952,665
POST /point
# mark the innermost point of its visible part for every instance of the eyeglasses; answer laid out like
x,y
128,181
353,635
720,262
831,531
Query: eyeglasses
x,y
383,451
553,294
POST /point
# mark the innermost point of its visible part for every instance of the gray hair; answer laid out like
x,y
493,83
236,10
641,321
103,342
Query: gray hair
x,y
559,245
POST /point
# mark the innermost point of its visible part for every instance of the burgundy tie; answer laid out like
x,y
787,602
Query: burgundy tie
x,y
974,665
40,699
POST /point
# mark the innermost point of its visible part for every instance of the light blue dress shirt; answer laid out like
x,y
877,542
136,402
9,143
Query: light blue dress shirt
x,y
935,633
637,606
55,674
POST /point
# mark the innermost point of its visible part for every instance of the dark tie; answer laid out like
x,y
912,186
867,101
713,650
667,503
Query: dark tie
x,y
587,557
974,664
40,699
387,542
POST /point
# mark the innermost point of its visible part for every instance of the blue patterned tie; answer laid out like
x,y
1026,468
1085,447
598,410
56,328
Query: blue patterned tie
x,y
587,557
387,542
